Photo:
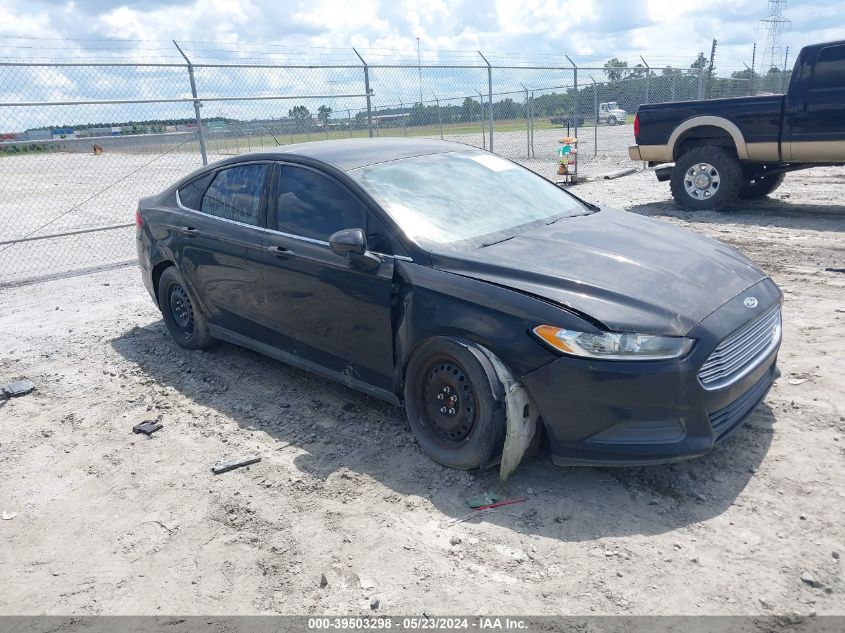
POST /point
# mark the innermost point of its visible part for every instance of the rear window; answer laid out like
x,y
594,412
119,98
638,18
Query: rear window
x,y
191,194
829,71
235,194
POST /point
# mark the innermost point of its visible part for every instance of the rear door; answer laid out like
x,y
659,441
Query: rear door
x,y
222,245
814,121
319,306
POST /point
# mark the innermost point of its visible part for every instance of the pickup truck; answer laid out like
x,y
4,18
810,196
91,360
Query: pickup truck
x,y
716,151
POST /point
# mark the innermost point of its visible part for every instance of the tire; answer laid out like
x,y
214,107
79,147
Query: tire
x,y
611,120
471,436
761,187
185,322
706,178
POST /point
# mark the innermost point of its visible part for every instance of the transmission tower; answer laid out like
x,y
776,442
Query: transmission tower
x,y
772,53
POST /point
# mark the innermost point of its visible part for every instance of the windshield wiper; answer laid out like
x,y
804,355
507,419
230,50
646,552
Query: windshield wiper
x,y
496,241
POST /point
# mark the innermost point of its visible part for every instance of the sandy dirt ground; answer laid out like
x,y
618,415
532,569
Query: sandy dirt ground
x,y
98,520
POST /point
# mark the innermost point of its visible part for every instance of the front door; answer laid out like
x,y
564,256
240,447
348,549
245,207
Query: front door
x,y
319,305
222,246
814,125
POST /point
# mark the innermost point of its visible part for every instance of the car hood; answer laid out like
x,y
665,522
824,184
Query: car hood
x,y
629,272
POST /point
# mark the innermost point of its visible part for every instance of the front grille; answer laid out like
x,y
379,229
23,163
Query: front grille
x,y
726,419
740,352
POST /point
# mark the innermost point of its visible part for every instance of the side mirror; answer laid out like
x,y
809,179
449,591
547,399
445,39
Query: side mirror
x,y
349,242
352,244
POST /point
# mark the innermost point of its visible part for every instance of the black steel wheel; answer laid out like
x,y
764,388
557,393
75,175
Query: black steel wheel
x,y
450,409
455,403
181,310
185,322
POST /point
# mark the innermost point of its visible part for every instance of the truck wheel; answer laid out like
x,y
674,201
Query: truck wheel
x,y
611,120
706,178
761,186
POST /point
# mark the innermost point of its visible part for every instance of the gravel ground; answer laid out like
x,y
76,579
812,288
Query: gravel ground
x,y
106,522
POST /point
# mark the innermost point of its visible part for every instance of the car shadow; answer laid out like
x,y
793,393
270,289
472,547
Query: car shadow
x,y
347,437
766,212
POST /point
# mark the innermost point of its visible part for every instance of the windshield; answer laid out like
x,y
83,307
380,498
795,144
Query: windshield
x,y
612,106
464,198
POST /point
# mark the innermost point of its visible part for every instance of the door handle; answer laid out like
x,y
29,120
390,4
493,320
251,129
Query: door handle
x,y
801,108
190,231
281,253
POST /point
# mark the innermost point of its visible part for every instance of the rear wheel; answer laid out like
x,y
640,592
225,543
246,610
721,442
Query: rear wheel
x,y
706,178
761,186
454,403
611,120
186,324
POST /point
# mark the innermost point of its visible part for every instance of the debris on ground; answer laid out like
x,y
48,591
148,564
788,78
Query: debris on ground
x,y
230,463
17,388
8,516
499,504
455,540
147,428
374,602
483,500
323,580
366,583
808,579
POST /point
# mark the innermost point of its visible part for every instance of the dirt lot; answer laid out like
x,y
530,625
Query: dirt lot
x,y
107,522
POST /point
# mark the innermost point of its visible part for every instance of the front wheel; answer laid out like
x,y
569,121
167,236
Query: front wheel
x,y
706,178
455,404
611,120
761,186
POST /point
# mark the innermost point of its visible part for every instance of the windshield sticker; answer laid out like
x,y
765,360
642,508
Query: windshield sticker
x,y
493,162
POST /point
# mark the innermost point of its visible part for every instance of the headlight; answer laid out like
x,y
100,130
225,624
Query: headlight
x,y
613,345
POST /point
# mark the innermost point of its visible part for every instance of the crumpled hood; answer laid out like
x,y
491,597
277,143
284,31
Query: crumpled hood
x,y
629,272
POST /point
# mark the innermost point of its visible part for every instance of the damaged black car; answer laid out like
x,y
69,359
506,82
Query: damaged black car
x,y
497,308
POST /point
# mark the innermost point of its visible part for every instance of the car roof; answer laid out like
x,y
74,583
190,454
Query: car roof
x,y
347,154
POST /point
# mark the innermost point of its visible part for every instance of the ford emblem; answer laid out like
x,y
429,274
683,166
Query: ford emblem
x,y
750,302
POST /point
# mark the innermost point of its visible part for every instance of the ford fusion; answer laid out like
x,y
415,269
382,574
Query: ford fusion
x,y
441,277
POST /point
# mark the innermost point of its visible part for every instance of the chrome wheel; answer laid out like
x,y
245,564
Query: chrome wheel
x,y
701,181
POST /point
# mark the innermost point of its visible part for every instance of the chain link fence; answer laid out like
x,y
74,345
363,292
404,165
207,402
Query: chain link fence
x,y
82,142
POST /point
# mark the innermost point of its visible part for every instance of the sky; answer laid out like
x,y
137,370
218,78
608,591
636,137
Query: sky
x,y
662,31
323,32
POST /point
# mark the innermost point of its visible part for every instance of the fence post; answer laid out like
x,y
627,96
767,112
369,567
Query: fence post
x,y
489,97
575,100
369,92
200,133
439,120
481,118
701,83
647,73
402,118
527,124
753,61
595,117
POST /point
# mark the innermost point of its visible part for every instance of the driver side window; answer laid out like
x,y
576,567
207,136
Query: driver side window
x,y
313,205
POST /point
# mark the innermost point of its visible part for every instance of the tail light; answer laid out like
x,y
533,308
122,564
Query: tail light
x,y
138,221
637,127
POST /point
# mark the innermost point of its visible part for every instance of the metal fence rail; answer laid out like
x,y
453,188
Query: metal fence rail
x,y
82,142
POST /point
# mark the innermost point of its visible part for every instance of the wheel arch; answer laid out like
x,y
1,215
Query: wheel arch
x,y
156,273
702,130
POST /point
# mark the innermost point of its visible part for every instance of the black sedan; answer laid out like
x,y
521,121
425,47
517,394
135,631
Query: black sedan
x,y
448,279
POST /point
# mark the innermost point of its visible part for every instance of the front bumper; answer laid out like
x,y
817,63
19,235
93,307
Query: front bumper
x,y
648,412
